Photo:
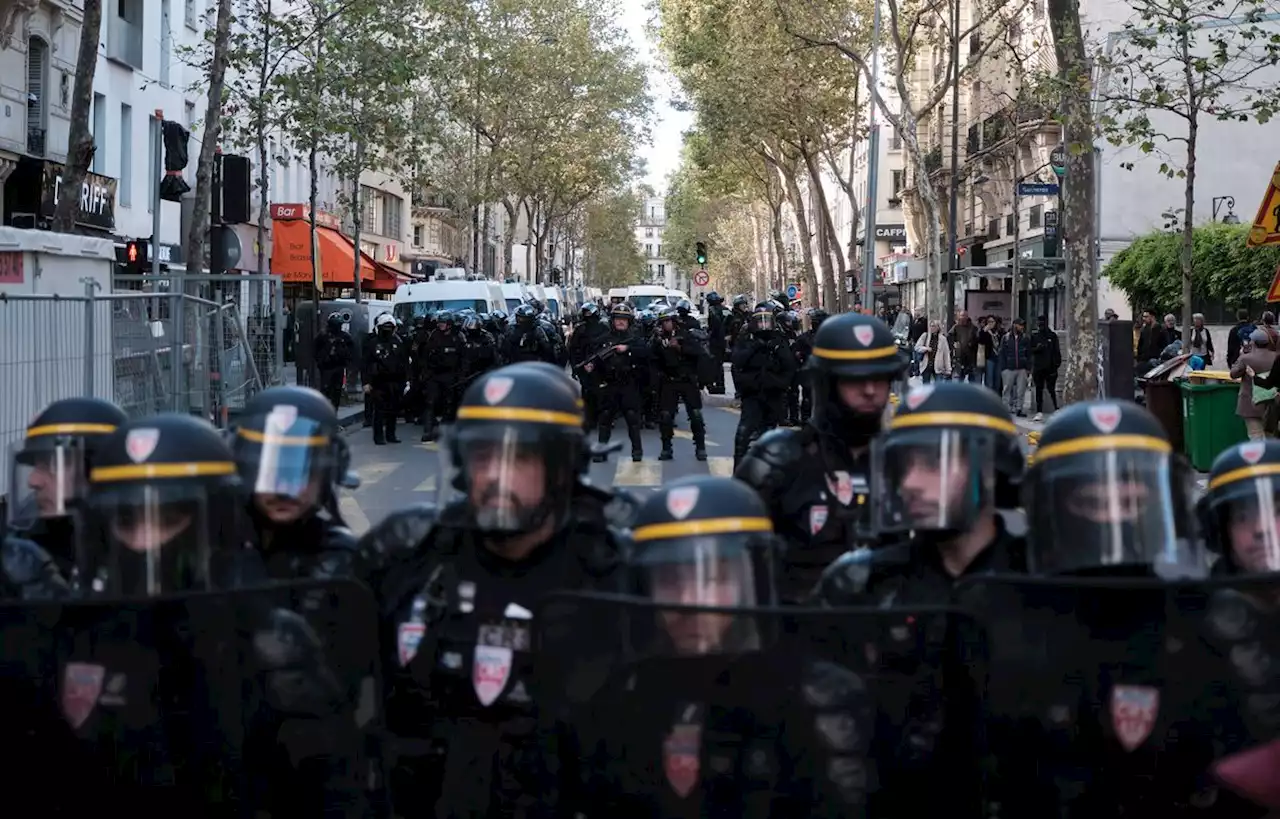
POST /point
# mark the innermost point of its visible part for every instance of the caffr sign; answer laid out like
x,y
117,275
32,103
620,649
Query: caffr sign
x,y
97,208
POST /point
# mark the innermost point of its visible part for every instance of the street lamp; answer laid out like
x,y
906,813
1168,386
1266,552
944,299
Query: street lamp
x,y
1230,202
953,257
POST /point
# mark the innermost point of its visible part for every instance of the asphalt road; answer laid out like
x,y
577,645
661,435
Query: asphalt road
x,y
398,475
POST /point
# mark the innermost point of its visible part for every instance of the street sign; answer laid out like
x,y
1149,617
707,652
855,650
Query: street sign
x,y
791,291
1273,292
701,278
1266,225
1038,188
1058,160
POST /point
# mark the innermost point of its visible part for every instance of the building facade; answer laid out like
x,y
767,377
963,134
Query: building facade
x,y
650,225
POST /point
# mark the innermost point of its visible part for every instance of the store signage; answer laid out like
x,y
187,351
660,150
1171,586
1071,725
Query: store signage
x,y
97,197
891,232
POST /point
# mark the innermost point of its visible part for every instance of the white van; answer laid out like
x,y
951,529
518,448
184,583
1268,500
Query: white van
x,y
375,307
419,298
674,297
644,296
555,303
514,294
617,294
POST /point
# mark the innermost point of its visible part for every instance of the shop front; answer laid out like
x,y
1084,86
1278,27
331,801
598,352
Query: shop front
x,y
292,251
31,192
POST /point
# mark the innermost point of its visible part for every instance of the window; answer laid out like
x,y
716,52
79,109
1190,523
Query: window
x,y
975,43
899,178
368,208
124,32
993,229
417,235
648,233
648,251
37,88
662,270
1037,9
1010,224
659,253
124,187
1036,217
391,216
189,15
895,141
188,173
653,212
99,134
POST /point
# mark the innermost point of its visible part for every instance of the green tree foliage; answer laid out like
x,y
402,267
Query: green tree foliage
x,y
611,256
1149,271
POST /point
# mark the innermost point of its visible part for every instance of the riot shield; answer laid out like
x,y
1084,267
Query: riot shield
x,y
210,703
786,709
1114,696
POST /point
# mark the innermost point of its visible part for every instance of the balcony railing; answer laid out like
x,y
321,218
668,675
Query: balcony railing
x,y
35,141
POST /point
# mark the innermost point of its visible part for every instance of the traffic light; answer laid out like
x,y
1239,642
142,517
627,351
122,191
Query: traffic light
x,y
702,254
135,255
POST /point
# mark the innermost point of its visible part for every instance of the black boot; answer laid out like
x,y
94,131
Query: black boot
x,y
699,451
637,448
603,439
666,453
391,432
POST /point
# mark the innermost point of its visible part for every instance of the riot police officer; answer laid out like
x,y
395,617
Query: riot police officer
x,y
459,591
803,348
619,360
1238,513
676,353
717,331
684,310
50,474
291,459
582,344
442,360
949,459
526,340
705,697
817,480
384,372
335,349
762,370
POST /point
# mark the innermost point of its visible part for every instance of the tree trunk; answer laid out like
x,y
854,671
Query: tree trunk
x,y
509,235
826,232
761,268
1189,189
801,222
1077,227
486,219
932,209
80,142
260,133
529,234
209,140
778,268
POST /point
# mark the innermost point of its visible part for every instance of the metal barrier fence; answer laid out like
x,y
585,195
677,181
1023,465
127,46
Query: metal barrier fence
x,y
147,352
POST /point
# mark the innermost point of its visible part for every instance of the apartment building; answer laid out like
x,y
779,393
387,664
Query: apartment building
x,y
889,240
650,225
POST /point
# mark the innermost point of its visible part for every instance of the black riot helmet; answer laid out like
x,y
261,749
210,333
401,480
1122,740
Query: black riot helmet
x,y
816,316
850,347
704,541
943,460
741,302
289,453
683,307
447,318
714,298
622,310
589,311
514,453
1105,494
385,325
50,465
163,505
761,321
334,322
780,298
788,320
1239,512
526,315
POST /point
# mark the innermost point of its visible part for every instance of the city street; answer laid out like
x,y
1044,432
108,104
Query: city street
x,y
397,475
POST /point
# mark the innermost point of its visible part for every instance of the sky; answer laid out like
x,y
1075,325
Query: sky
x,y
662,154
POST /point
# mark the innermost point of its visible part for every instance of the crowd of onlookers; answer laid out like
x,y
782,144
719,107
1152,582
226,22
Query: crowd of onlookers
x,y
1008,360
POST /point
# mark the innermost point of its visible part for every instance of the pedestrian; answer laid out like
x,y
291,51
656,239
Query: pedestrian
x,y
935,354
1152,339
1251,405
1046,359
1015,366
1201,342
964,347
988,353
1239,336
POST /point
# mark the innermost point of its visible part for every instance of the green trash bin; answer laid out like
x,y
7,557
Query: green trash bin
x,y
1210,424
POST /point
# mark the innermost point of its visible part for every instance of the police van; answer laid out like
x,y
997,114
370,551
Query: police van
x,y
419,298
514,294
646,296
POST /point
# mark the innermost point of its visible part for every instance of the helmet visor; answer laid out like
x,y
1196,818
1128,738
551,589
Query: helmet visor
x,y
1246,516
761,322
47,478
1112,510
697,582
935,480
509,478
284,457
158,537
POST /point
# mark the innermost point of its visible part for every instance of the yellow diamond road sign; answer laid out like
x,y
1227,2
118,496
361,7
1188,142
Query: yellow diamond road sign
x,y
1266,225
